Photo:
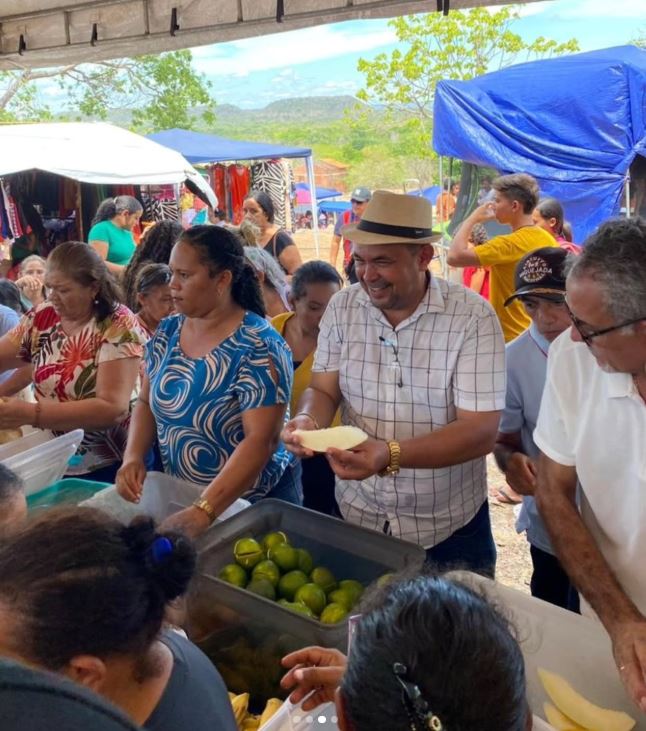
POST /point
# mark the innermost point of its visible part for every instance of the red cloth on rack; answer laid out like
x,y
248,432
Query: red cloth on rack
x,y
217,179
238,179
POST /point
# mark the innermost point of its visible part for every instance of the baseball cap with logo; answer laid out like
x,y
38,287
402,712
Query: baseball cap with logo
x,y
541,273
361,195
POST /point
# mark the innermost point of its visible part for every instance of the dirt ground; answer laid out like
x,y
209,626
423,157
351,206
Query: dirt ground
x,y
514,564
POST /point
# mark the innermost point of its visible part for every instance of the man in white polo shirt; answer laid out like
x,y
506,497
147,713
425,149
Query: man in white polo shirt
x,y
418,364
592,426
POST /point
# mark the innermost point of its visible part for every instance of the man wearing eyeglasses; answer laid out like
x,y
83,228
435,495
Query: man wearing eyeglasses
x,y
358,200
592,428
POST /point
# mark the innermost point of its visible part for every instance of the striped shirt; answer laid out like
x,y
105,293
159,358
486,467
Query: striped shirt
x,y
401,383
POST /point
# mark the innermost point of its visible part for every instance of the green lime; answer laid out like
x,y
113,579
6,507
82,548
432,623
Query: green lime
x,y
271,540
266,570
248,552
312,596
234,574
342,597
333,613
324,578
297,607
385,580
353,588
305,561
284,556
262,587
290,583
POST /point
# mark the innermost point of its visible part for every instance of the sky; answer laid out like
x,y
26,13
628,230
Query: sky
x,y
322,61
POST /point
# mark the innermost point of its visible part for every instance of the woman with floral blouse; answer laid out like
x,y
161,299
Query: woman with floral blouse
x,y
85,349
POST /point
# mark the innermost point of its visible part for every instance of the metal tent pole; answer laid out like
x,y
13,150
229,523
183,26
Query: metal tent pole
x,y
315,209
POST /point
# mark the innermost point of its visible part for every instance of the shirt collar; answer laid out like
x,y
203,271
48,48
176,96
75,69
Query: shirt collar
x,y
540,340
619,385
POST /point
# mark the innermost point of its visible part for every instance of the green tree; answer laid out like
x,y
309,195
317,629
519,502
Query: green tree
x,y
461,46
160,91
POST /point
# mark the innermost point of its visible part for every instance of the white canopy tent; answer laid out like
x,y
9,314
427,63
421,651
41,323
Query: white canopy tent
x,y
94,152
40,33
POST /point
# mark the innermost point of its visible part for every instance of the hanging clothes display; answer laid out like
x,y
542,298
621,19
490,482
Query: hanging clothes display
x,y
238,185
271,177
218,181
160,203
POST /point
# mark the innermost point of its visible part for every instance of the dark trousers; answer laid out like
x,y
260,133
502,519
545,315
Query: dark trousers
x,y
550,582
471,547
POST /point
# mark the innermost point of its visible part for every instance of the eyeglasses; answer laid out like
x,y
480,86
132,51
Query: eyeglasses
x,y
588,337
395,365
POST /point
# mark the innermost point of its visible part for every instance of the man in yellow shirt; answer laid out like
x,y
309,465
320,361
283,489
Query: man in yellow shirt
x,y
516,196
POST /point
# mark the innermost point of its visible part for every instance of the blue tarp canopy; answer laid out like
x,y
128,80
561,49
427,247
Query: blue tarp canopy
x,y
429,193
198,147
335,206
321,193
575,123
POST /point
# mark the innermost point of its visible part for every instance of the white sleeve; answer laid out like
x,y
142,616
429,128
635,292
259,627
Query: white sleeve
x,y
328,349
551,435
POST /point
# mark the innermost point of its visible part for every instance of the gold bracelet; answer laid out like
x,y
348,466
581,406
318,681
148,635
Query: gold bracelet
x,y
306,413
205,506
393,464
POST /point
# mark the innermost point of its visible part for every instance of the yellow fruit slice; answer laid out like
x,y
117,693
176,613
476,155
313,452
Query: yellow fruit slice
x,y
580,709
559,720
339,437
240,704
273,704
251,723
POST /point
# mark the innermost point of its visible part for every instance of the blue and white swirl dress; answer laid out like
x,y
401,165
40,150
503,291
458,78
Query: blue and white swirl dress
x,y
198,402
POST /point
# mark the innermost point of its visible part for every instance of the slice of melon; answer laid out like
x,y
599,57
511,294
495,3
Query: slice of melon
x,y
338,437
559,720
580,709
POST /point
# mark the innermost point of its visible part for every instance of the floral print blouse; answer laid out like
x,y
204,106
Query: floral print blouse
x,y
65,369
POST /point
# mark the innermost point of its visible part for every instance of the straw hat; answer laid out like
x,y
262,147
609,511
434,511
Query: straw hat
x,y
393,218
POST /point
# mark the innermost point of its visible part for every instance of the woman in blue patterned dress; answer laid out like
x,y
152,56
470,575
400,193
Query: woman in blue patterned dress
x,y
217,386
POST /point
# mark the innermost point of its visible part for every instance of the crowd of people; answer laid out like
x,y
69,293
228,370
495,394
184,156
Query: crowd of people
x,y
202,351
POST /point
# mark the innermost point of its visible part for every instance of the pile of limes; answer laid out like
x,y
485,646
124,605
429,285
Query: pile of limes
x,y
276,570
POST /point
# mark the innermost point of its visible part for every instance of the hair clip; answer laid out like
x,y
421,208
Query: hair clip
x,y
161,548
414,702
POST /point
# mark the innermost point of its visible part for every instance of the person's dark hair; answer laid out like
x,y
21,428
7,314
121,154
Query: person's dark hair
x,y
478,235
81,263
518,187
155,246
77,581
615,256
552,208
111,207
10,484
453,645
265,202
313,272
567,232
151,276
221,250
10,296
448,184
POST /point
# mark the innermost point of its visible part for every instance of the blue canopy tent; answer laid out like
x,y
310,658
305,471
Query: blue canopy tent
x,y
303,193
198,147
429,193
576,123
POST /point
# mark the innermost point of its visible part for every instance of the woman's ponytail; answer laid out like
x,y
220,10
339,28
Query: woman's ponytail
x,y
246,292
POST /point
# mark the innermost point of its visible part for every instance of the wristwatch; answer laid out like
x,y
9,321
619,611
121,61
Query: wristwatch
x,y
206,507
393,465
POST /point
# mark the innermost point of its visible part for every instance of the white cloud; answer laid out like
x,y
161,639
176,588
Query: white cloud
x,y
535,8
583,9
290,49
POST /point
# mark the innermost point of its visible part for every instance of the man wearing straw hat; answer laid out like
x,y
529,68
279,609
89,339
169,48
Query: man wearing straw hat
x,y
418,364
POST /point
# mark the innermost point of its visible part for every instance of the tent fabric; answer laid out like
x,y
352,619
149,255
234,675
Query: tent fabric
x,y
429,193
335,206
575,123
96,153
303,195
38,33
198,147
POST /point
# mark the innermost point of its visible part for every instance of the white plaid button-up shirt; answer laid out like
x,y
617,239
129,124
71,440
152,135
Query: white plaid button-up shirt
x,y
408,381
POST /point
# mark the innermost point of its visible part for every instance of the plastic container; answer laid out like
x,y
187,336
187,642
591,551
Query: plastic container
x,y
40,459
576,647
162,496
70,491
244,634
